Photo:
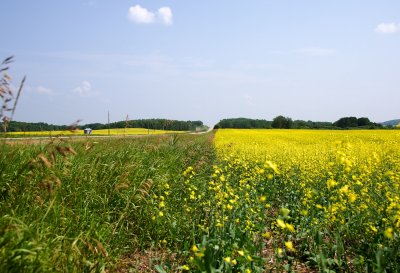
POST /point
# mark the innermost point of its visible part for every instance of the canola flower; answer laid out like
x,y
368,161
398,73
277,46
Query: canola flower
x,y
313,189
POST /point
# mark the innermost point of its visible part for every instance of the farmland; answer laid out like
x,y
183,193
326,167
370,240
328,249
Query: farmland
x,y
236,201
100,132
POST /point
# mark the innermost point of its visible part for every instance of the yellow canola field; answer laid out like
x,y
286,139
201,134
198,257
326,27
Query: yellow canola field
x,y
335,171
119,131
326,195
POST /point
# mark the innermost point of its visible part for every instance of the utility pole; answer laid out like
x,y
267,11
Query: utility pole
x,y
108,123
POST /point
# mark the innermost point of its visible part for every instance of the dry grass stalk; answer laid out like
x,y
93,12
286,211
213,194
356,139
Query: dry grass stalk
x,y
144,189
7,94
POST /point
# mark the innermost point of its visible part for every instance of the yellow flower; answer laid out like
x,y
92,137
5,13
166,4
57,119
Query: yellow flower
x,y
388,233
185,267
290,227
161,214
281,223
263,198
289,245
194,248
352,197
200,254
241,252
266,235
344,189
227,260
331,183
279,251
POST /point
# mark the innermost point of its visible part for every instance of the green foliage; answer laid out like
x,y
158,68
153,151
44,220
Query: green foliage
x,y
285,122
282,122
83,206
243,123
353,122
156,124
18,126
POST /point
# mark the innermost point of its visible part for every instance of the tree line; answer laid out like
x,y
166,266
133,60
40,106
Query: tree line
x,y
156,124
282,122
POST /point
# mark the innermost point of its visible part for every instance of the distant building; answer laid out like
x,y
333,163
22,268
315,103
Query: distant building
x,y
87,131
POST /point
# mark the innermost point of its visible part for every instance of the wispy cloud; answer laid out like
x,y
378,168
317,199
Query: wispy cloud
x,y
43,90
150,63
140,15
89,3
84,89
387,28
316,51
165,15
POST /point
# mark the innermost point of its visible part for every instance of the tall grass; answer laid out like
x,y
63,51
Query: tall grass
x,y
86,206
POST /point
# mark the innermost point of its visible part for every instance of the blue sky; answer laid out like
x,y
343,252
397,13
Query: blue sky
x,y
203,60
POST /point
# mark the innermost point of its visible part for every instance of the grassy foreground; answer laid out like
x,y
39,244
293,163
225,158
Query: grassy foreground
x,y
92,206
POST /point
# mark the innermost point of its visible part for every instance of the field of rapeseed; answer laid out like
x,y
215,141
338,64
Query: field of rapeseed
x,y
245,201
327,201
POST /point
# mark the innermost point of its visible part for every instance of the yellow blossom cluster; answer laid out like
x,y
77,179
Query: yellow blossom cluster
x,y
277,184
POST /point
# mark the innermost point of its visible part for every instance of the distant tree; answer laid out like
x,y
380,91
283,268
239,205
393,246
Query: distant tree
x,y
346,122
300,124
282,122
160,124
363,121
243,123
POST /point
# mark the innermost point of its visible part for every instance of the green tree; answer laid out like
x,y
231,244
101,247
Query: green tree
x,y
282,122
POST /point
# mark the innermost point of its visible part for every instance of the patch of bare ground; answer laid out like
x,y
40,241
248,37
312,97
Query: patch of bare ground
x,y
146,262
272,265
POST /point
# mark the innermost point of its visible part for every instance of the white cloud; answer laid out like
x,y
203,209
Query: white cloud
x,y
140,15
84,89
317,51
165,15
44,90
387,28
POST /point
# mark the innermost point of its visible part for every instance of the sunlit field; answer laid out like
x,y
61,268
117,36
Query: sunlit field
x,y
98,205
118,131
285,199
240,201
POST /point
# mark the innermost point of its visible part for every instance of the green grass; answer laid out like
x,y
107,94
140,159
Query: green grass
x,y
86,206
167,203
